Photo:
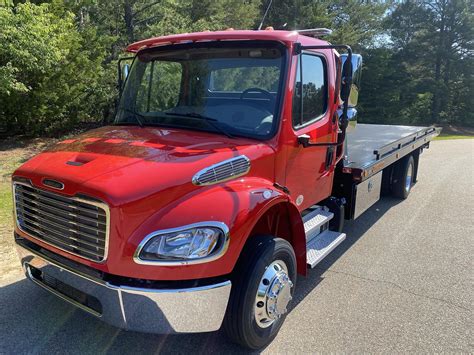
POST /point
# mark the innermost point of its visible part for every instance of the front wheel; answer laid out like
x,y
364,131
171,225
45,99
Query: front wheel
x,y
263,287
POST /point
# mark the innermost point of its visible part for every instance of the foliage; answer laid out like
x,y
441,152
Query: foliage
x,y
424,75
52,77
58,57
354,22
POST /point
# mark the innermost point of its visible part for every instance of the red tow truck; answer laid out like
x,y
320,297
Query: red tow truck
x,y
233,161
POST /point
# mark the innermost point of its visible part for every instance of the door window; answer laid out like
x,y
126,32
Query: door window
x,y
310,94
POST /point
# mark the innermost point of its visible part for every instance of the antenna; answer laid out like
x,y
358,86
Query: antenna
x,y
265,15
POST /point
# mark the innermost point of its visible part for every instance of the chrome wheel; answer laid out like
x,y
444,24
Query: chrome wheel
x,y
408,178
273,294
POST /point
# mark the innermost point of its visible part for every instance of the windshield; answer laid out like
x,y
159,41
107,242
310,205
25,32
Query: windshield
x,y
228,88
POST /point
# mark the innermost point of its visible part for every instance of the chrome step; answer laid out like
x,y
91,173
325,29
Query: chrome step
x,y
316,222
321,245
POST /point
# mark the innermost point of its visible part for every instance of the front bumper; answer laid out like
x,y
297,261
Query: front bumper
x,y
162,311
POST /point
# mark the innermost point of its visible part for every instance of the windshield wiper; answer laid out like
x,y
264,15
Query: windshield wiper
x,y
137,116
215,123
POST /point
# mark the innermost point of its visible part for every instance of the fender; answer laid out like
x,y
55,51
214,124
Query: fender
x,y
296,235
239,204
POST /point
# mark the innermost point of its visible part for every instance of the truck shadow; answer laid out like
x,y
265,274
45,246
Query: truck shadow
x,y
354,231
33,321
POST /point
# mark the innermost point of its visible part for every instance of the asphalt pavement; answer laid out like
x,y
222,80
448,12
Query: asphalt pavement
x,y
401,282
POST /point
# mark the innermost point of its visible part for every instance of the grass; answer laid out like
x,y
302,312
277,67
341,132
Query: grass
x,y
8,163
13,153
5,205
456,132
452,136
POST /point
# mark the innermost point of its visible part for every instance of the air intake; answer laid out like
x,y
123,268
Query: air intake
x,y
223,171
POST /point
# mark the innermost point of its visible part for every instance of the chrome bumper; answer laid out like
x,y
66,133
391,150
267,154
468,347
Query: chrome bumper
x,y
161,311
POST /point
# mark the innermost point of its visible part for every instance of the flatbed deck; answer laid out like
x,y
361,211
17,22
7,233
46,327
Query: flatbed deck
x,y
372,147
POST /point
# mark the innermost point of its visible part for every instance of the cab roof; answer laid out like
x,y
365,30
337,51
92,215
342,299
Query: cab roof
x,y
286,37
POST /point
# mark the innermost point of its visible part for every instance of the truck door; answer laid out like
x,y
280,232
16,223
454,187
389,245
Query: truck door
x,y
309,170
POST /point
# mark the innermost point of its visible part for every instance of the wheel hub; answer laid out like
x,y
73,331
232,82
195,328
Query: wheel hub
x,y
408,178
273,294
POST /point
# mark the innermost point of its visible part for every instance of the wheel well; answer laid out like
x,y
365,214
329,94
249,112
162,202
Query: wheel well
x,y
274,222
284,221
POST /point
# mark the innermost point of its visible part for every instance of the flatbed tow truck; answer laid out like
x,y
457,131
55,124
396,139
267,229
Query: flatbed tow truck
x,y
232,163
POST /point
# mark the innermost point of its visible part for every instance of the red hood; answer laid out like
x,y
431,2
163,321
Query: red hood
x,y
120,164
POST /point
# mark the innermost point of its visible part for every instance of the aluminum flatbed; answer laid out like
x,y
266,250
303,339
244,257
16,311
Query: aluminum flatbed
x,y
372,147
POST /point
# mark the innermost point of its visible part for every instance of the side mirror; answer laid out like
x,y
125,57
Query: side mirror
x,y
126,69
350,91
345,88
346,78
123,67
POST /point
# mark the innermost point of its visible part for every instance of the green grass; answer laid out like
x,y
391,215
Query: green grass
x,y
5,204
6,217
5,201
12,155
8,163
8,259
452,136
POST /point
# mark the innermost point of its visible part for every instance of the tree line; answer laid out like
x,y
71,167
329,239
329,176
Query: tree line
x,y
58,59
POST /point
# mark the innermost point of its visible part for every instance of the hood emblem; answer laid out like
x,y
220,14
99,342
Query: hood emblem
x,y
223,171
54,184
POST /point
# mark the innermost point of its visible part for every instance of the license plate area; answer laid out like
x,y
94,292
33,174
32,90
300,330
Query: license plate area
x,y
68,293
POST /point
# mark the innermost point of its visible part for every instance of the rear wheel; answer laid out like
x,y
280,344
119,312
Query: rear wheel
x,y
262,289
403,180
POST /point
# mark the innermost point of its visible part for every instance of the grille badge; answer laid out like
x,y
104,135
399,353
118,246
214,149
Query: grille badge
x,y
54,184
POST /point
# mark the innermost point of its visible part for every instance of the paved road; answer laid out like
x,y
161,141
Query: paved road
x,y
402,282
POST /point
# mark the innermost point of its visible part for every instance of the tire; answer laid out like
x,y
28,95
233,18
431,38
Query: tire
x,y
403,177
246,321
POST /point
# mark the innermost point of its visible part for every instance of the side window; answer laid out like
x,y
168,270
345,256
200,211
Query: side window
x,y
310,95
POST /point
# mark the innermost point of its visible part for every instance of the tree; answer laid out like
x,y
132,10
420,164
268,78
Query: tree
x,y
58,57
431,50
354,22
50,75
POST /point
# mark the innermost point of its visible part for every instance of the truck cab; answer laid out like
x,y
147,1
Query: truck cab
x,y
226,172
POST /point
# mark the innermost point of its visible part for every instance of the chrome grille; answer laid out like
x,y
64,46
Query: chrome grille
x,y
223,171
73,224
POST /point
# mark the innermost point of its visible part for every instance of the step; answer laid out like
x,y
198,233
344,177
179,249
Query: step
x,y
315,222
321,245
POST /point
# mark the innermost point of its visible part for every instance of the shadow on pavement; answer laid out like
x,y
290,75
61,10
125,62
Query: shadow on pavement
x,y
33,321
354,231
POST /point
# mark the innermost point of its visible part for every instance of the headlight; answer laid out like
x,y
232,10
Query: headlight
x,y
196,243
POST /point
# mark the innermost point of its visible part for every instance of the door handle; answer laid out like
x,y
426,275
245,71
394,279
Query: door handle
x,y
304,140
329,157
